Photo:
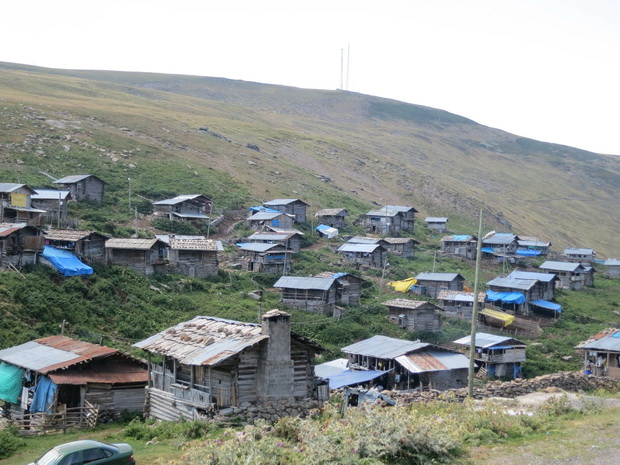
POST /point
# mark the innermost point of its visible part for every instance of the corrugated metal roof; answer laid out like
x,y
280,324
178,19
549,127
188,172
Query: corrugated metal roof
x,y
513,283
364,240
179,199
532,242
76,178
332,212
391,210
198,216
6,229
204,340
132,244
500,239
438,276
299,282
436,219
49,194
25,209
406,303
560,266
363,248
108,371
578,251
425,361
263,216
607,340
327,369
486,340
612,262
267,236
71,235
11,186
383,347
460,296
262,247
544,277
283,201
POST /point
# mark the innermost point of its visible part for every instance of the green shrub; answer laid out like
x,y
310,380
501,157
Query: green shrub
x,y
10,442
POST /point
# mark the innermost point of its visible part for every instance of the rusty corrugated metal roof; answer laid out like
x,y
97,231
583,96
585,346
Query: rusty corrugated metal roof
x,y
113,370
425,361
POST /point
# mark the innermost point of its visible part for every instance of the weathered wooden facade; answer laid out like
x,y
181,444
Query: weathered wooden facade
x,y
291,240
211,364
403,246
437,223
264,220
144,256
545,287
16,205
500,244
403,364
193,208
613,267
64,373
532,246
334,217
414,315
460,245
84,187
266,258
430,284
54,203
364,255
295,207
86,245
500,356
194,256
583,255
19,244
390,219
601,353
459,303
571,275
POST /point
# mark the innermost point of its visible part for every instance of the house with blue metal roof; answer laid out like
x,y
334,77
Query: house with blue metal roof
x,y
499,356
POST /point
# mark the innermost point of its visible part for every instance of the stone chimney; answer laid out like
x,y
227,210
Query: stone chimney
x,y
275,371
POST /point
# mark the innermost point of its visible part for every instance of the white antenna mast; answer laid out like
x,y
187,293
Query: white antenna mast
x,y
348,61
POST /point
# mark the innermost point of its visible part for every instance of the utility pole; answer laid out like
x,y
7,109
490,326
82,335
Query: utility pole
x,y
129,190
474,316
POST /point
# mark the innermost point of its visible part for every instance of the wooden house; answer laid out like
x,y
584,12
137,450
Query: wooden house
x,y
333,217
368,255
266,258
193,208
323,293
54,202
437,223
414,315
19,244
390,219
571,275
583,255
613,267
144,256
430,284
532,247
460,245
194,256
460,303
291,240
265,219
294,207
57,372
16,205
544,289
500,244
84,187
86,245
513,293
601,353
402,246
403,365
209,364
500,356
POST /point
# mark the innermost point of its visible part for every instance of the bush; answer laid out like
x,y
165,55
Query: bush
x,y
10,442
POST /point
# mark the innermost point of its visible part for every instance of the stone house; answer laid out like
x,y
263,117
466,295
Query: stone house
x,y
294,207
291,240
265,219
613,267
583,255
404,365
20,244
601,353
390,219
211,365
86,245
437,223
16,205
323,293
461,245
571,275
194,256
460,303
369,255
194,208
414,315
59,371
54,203
266,258
84,187
532,247
500,356
144,256
333,217
430,284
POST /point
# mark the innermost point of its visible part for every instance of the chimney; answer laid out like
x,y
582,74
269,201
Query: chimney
x,y
275,376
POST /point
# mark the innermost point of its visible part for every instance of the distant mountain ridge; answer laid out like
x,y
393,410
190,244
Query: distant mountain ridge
x,y
261,141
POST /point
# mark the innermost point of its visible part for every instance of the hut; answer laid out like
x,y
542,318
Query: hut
x,y
144,256
333,217
437,223
86,245
54,203
430,284
390,219
291,240
264,219
414,315
266,258
365,255
613,267
460,303
500,244
194,256
583,255
601,353
571,275
532,247
461,245
193,208
294,207
499,356
19,244
84,187
210,364
16,205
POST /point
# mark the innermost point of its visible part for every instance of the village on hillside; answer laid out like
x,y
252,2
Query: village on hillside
x,y
209,366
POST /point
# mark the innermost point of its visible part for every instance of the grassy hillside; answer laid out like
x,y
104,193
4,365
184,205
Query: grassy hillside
x,y
173,134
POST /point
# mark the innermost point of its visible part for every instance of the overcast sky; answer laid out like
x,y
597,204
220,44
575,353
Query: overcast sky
x,y
545,69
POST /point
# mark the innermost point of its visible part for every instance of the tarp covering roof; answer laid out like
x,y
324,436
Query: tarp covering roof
x,y
332,368
66,262
506,297
404,285
458,238
351,378
327,231
496,314
528,252
459,296
548,305
261,208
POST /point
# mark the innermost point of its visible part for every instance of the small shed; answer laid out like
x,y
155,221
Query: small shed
x,y
430,284
291,240
84,187
266,258
265,219
461,303
402,246
571,275
528,246
194,256
144,256
500,356
583,255
437,223
294,207
408,364
210,364
613,267
16,205
390,219
85,245
54,202
333,217
193,208
20,244
601,353
500,243
414,315
370,255
461,245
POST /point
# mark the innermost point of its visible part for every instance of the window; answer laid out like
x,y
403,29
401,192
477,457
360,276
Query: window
x,y
90,455
72,459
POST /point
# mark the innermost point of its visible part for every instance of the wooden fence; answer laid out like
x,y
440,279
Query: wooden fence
x,y
61,421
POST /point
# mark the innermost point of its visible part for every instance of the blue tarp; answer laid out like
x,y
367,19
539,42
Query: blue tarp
x,y
10,382
349,378
260,208
322,227
528,252
506,297
487,249
43,395
547,305
65,262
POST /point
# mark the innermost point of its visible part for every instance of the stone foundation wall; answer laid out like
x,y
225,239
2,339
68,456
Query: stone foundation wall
x,y
273,410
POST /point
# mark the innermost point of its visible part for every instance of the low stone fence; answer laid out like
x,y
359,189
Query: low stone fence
x,y
274,410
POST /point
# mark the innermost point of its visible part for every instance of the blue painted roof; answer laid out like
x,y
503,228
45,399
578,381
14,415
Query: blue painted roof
x,y
548,305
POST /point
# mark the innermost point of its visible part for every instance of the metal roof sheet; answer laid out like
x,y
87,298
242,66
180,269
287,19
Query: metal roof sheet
x,y
544,277
612,262
399,240
262,247
460,296
500,239
607,340
353,377
76,178
6,229
437,276
111,370
425,361
299,282
486,340
332,212
560,266
436,219
578,251
262,216
283,202
533,243
198,216
11,186
406,303
364,240
132,244
179,199
363,248
327,369
49,194
513,283
383,347
267,236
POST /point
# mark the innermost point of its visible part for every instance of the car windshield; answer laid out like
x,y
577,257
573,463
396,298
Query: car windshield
x,y
50,458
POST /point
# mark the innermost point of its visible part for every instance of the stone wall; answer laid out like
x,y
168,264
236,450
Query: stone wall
x,y
272,410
